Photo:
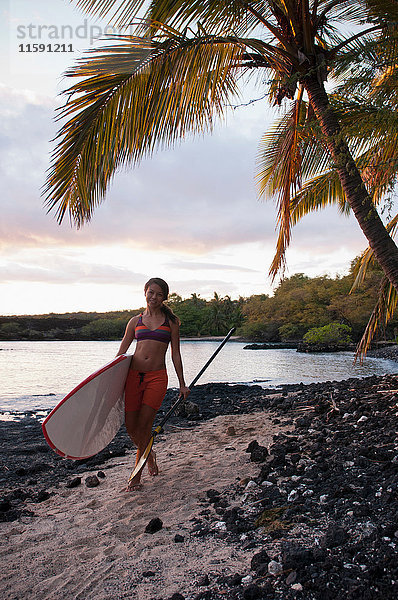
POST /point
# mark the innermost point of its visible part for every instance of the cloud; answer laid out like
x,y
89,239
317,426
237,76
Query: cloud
x,y
325,231
208,266
62,270
194,200
205,289
197,195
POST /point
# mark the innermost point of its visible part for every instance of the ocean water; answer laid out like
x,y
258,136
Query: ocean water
x,y
37,375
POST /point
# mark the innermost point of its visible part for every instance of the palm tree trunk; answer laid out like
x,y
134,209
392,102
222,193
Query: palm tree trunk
x,y
385,250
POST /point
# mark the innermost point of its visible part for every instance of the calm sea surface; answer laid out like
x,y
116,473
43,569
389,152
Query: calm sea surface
x,y
36,375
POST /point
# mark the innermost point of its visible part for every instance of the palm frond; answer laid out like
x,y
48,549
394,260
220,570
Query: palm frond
x,y
370,124
279,171
119,13
363,118
367,259
293,151
361,268
384,11
136,96
318,193
387,296
381,314
351,11
377,163
380,169
325,190
360,61
275,149
215,16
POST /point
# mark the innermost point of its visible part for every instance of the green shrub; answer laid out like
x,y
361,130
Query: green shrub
x,y
333,334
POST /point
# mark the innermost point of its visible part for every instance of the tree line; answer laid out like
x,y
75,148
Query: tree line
x,y
299,304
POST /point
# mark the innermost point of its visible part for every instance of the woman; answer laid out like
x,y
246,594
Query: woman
x,y
146,382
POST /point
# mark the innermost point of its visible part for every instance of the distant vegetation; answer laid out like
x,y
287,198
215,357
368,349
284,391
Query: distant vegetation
x,y
68,326
334,333
299,304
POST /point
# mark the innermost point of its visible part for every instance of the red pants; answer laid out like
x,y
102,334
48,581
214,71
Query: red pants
x,y
145,388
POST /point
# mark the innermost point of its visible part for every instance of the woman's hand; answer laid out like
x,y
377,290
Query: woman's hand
x,y
184,391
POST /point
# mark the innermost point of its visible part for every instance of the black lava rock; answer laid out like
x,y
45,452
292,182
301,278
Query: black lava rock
x,y
230,580
205,595
345,470
213,495
92,481
252,592
253,444
257,453
235,522
204,581
259,562
294,557
334,536
5,505
42,495
74,482
154,525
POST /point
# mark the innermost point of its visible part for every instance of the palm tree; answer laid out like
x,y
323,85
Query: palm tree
x,y
181,69
367,111
367,106
217,320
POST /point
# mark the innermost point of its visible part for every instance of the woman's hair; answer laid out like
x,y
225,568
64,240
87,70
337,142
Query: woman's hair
x,y
165,289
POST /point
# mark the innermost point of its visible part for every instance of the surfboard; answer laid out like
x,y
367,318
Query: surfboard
x,y
89,417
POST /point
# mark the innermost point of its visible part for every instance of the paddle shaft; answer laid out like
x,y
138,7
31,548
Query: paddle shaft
x,y
203,369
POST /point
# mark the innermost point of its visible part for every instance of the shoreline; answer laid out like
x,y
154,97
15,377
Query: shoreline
x,y
310,512
389,352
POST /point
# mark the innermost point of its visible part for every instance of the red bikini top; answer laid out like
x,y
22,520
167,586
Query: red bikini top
x,y
161,334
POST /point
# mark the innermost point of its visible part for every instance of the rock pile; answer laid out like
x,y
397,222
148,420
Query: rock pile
x,y
322,512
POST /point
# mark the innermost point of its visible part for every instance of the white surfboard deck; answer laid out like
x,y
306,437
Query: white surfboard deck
x,y
90,416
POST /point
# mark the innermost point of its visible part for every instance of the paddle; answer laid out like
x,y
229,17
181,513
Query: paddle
x,y
144,457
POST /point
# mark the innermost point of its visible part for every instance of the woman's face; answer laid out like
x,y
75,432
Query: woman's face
x,y
154,295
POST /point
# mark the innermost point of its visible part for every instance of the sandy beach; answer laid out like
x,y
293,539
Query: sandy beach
x,y
91,542
287,495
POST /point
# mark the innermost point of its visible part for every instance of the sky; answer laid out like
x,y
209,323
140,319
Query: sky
x,y
189,214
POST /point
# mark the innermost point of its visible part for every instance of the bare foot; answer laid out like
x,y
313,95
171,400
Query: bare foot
x,y
152,464
133,487
134,484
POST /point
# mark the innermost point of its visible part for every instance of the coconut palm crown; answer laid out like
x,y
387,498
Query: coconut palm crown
x,y
366,104
180,69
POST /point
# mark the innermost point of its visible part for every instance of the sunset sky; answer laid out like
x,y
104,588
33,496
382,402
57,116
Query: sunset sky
x,y
189,214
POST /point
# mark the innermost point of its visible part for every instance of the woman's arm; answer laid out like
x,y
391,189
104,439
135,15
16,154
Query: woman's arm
x,y
176,358
128,337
